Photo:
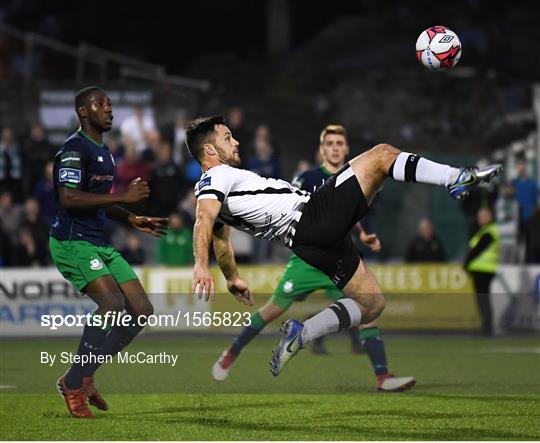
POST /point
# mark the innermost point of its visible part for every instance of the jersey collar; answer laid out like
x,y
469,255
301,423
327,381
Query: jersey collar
x,y
90,139
326,171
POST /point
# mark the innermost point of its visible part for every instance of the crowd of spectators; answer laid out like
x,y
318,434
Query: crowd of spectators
x,y
142,149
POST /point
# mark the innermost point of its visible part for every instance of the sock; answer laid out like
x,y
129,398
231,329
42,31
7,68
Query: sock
x,y
248,333
354,336
116,340
413,168
374,346
91,343
341,315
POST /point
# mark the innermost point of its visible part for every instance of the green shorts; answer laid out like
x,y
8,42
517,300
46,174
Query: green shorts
x,y
81,262
301,279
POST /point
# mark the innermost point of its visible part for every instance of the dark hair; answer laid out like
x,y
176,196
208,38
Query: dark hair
x,y
81,97
199,132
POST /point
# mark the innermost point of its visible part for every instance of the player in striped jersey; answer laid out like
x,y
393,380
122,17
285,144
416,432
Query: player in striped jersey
x,y
315,226
300,280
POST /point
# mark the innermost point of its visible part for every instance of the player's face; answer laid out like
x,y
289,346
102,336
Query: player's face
x,y
334,149
226,146
100,111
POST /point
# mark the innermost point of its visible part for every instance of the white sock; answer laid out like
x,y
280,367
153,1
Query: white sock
x,y
413,168
342,314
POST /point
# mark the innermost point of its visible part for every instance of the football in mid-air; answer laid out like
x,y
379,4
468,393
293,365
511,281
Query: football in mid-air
x,y
438,48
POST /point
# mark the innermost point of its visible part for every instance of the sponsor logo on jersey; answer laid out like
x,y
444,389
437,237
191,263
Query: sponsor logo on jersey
x,y
102,178
205,182
69,175
100,159
95,264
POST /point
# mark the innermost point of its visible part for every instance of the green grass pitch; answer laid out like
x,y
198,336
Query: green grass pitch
x,y
468,389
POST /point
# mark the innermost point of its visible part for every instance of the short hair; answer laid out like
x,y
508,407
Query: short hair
x,y
199,132
333,129
82,97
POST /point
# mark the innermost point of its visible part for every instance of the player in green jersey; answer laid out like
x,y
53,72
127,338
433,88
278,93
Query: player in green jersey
x,y
83,179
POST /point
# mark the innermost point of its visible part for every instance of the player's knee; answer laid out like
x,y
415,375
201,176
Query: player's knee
x,y
378,305
115,304
385,152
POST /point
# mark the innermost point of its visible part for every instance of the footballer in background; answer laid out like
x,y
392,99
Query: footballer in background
x,y
301,279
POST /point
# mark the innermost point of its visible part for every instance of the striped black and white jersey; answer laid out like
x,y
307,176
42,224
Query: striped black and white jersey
x,y
263,207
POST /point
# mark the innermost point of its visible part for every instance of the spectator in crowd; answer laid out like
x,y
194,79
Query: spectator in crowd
x,y
28,251
5,247
426,246
526,194
192,171
130,168
302,166
481,262
176,247
11,165
133,253
166,182
179,137
44,194
139,130
30,219
235,122
264,161
9,213
37,152
507,210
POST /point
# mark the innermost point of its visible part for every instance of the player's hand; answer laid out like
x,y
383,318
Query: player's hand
x,y
156,226
371,241
240,290
203,283
137,190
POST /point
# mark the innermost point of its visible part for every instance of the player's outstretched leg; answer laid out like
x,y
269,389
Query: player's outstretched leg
x,y
374,166
259,319
374,346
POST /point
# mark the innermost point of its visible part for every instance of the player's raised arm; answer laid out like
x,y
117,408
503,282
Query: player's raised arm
x,y
224,251
205,216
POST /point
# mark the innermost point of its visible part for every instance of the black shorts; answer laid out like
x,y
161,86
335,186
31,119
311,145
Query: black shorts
x,y
322,236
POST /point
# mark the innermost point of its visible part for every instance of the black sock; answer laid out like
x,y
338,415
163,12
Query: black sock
x,y
116,340
91,343
248,333
374,346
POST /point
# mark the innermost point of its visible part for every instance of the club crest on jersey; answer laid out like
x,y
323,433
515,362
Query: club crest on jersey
x,y
95,264
288,286
69,175
205,182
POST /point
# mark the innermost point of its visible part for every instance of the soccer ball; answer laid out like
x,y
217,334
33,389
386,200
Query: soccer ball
x,y
438,48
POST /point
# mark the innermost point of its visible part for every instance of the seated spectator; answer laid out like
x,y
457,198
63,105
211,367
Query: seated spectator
x,y
139,130
133,253
235,122
45,195
176,247
166,182
28,252
5,247
179,137
11,165
264,162
425,247
30,219
37,152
